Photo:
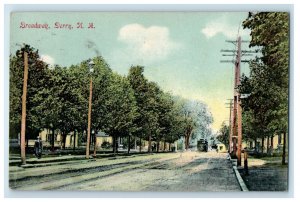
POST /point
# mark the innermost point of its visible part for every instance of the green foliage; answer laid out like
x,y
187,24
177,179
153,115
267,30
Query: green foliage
x,y
121,106
139,84
37,80
224,134
266,109
194,120
106,145
163,117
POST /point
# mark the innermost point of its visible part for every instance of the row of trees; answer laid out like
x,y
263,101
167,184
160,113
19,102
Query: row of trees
x,y
122,106
265,111
223,135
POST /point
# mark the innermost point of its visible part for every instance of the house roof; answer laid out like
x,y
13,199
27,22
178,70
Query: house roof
x,y
101,134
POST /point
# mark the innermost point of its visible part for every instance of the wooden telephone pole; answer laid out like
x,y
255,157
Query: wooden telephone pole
x,y
230,123
87,155
23,120
237,102
236,112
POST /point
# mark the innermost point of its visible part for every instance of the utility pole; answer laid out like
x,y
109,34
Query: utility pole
x,y
236,118
238,103
89,121
230,124
23,120
91,64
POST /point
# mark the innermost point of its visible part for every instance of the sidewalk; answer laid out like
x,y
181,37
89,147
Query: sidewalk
x,y
56,157
266,174
34,160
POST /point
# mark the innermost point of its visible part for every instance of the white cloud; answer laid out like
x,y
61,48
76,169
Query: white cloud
x,y
147,44
48,59
220,26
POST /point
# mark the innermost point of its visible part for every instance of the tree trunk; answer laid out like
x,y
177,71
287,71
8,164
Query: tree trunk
x,y
262,145
268,145
283,149
279,139
64,140
114,144
52,140
149,144
135,143
157,146
74,140
118,142
140,145
272,145
95,145
165,145
128,144
187,140
187,137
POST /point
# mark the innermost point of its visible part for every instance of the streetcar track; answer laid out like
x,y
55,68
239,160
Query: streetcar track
x,y
64,174
19,183
143,165
92,179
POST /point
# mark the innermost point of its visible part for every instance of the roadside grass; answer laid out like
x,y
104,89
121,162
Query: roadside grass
x,y
265,173
267,161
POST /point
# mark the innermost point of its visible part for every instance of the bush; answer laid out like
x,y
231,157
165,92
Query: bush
x,y
106,145
180,146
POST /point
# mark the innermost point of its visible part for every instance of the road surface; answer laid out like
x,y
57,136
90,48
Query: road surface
x,y
186,171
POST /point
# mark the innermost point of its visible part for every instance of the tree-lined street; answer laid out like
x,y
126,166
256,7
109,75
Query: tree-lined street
x,y
144,131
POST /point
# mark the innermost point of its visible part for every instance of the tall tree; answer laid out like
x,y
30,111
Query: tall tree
x,y
176,121
165,119
269,73
223,135
122,110
37,81
196,118
64,106
140,87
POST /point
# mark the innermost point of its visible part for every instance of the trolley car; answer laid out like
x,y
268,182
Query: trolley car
x,y
202,145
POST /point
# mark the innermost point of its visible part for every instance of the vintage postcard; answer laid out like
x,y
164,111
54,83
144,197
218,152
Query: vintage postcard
x,y
149,101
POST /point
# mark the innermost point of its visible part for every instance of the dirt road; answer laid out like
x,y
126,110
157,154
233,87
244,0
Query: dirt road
x,y
187,171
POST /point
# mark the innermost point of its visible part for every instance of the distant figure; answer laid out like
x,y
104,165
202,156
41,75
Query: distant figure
x,y
38,147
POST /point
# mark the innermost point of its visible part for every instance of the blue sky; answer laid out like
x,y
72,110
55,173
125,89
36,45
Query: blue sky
x,y
180,50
